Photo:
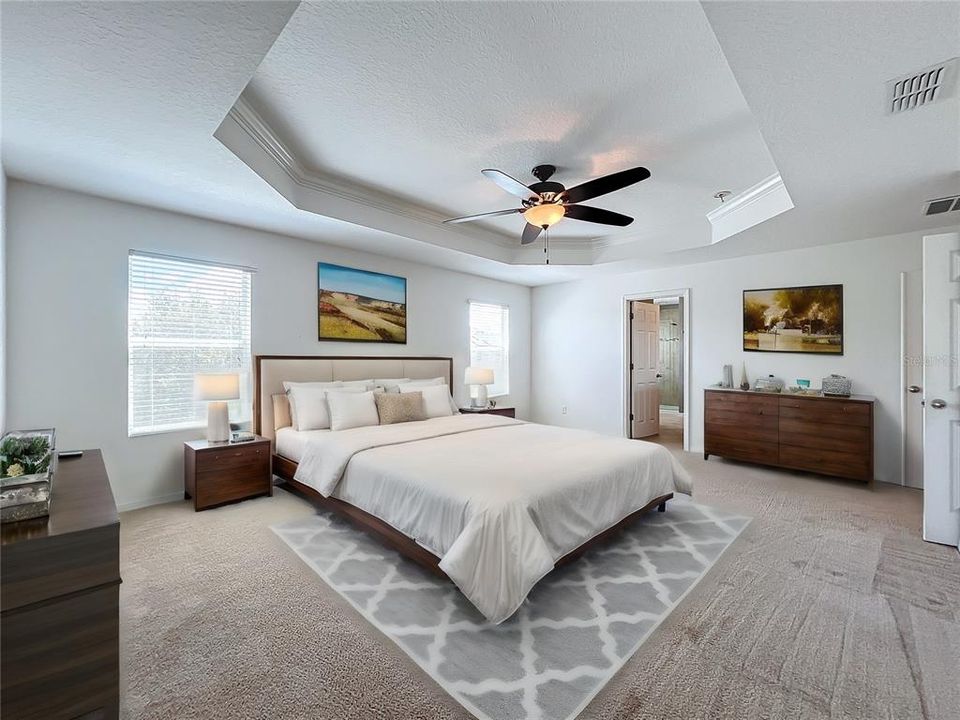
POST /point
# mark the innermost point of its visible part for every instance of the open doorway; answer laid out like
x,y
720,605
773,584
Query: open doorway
x,y
655,367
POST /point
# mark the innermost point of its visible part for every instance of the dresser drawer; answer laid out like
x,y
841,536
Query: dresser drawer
x,y
761,418
767,433
807,433
827,462
742,402
743,448
233,456
220,486
826,411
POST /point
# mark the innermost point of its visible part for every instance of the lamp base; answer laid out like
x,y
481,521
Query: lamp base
x,y
218,422
480,401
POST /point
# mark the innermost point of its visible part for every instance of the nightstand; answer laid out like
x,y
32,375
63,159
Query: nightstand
x,y
217,473
505,411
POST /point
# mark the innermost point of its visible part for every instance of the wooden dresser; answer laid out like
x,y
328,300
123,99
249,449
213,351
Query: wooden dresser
x,y
60,601
826,435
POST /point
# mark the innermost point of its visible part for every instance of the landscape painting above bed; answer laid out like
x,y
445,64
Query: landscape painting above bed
x,y
360,306
794,319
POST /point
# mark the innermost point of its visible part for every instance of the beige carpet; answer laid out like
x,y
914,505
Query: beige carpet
x,y
828,606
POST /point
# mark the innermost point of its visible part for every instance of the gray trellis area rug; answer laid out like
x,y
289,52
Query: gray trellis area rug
x,y
576,629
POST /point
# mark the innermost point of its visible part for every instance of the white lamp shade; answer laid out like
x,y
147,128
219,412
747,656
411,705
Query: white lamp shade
x,y
216,386
478,376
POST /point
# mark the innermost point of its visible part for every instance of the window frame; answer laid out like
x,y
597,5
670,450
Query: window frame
x,y
246,373
506,344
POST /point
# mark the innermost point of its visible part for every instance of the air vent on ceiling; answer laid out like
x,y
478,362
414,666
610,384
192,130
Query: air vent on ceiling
x,y
930,85
942,205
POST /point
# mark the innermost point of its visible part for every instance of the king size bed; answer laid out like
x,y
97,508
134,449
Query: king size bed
x,y
489,502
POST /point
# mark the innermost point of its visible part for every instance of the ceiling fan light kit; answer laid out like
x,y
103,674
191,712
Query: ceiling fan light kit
x,y
543,216
545,203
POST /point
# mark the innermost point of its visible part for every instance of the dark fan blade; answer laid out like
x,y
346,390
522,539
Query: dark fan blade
x,y
605,184
511,185
530,233
468,218
597,215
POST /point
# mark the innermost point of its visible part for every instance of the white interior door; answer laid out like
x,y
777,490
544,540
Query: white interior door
x,y
913,380
644,369
941,388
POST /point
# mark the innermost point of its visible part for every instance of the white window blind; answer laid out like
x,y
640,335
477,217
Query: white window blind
x,y
183,317
490,343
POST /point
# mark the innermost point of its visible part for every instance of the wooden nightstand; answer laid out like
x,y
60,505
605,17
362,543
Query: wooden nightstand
x,y
505,411
217,473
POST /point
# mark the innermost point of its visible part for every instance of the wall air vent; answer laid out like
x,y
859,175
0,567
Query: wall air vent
x,y
930,85
942,205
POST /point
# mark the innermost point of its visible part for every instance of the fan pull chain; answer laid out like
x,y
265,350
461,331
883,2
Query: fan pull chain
x,y
546,243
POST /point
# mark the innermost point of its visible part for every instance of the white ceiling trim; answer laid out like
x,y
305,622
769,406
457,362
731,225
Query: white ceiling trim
x,y
248,136
259,131
767,199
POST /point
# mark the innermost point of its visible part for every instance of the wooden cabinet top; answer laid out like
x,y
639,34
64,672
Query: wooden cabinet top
x,y
206,445
790,395
80,500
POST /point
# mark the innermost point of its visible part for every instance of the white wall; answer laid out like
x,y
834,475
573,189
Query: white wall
x,y
578,334
67,293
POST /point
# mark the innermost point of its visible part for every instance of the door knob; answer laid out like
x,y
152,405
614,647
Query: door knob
x,y
938,404
914,388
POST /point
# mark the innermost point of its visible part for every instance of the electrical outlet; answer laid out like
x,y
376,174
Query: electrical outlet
x,y
563,409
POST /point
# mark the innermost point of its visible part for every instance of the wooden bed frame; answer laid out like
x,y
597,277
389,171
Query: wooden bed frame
x,y
285,468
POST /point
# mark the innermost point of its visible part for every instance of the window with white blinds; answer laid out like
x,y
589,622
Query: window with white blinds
x,y
490,343
183,317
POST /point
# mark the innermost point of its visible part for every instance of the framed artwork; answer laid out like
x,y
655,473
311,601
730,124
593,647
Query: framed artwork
x,y
805,319
360,306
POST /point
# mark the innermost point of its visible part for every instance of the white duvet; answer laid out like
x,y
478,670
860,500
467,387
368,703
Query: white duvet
x,y
498,500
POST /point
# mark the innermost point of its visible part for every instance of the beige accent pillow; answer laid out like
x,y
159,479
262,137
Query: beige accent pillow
x,y
281,411
397,408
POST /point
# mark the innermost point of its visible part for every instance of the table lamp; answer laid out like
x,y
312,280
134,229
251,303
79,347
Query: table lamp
x,y
480,378
216,389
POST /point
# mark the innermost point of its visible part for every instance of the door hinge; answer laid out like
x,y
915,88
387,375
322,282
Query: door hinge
x,y
631,316
631,366
631,417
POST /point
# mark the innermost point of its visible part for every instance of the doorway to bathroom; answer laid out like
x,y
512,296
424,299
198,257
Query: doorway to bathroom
x,y
656,361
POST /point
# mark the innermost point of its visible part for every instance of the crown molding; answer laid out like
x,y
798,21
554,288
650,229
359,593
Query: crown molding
x,y
246,134
263,135
767,199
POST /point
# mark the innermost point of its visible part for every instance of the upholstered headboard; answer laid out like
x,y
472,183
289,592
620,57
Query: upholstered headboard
x,y
271,370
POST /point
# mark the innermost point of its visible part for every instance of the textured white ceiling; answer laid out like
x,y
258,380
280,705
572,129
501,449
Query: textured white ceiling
x,y
415,98
122,99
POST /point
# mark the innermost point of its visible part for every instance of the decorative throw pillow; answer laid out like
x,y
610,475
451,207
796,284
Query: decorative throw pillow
x,y
350,410
399,408
436,399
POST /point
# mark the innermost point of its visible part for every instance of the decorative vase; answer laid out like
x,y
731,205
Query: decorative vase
x,y
744,383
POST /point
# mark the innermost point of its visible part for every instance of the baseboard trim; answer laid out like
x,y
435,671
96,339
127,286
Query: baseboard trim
x,y
159,500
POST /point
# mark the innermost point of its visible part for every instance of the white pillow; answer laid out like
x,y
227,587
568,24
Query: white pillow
x,y
436,399
426,383
288,386
308,405
390,385
362,384
352,409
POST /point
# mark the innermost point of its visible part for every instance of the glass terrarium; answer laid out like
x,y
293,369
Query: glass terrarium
x,y
27,462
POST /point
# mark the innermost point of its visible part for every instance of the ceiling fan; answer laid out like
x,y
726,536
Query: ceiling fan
x,y
546,203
